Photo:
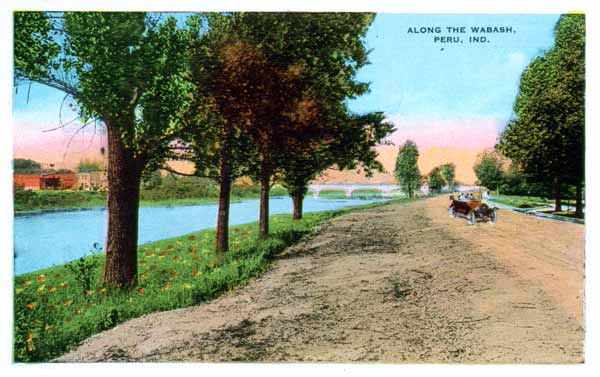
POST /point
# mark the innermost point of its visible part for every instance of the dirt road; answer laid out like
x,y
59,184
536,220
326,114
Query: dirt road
x,y
399,283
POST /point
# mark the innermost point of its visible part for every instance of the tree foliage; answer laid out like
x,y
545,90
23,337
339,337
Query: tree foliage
x,y
85,166
128,70
489,169
546,136
26,166
435,179
448,173
407,171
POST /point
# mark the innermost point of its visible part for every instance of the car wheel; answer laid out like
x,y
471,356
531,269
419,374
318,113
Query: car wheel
x,y
493,217
452,212
471,218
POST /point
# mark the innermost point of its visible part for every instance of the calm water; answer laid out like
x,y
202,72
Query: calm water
x,y
45,239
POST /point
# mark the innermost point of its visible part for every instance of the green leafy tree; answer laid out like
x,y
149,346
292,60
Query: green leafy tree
x,y
435,179
448,172
26,166
86,166
347,144
273,72
489,169
546,137
129,71
407,171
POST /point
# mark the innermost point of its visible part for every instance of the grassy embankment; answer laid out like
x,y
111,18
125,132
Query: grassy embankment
x,y
63,199
362,194
57,307
532,202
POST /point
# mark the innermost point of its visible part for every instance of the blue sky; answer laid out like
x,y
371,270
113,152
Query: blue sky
x,y
418,83
412,75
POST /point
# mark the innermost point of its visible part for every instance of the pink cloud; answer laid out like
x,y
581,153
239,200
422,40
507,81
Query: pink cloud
x,y
465,133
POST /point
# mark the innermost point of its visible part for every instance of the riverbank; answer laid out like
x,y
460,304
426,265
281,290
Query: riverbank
x,y
66,200
56,308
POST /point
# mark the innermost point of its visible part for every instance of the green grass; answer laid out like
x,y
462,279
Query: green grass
x,y
55,310
69,199
333,194
516,203
25,200
366,193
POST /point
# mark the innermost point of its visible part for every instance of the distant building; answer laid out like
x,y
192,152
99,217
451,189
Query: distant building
x,y
49,181
58,181
95,180
27,181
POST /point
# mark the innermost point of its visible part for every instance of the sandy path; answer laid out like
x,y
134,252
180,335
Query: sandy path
x,y
399,283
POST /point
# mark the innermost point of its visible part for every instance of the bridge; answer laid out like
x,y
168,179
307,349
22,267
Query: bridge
x,y
349,188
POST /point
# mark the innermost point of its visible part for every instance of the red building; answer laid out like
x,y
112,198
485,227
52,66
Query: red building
x,y
58,181
27,181
52,181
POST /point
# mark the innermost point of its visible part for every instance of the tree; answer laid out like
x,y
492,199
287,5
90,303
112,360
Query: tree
x,y
448,172
26,166
130,72
489,169
271,84
546,136
435,179
349,143
86,166
407,171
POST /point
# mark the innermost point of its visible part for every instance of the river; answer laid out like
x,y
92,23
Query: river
x,y
45,239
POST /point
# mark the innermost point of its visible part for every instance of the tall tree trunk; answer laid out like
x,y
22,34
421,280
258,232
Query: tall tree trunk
x,y
222,235
579,199
297,200
557,196
263,217
122,203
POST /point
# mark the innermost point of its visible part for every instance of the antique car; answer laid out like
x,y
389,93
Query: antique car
x,y
467,205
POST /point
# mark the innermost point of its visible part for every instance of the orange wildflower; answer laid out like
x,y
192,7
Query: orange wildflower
x,y
51,289
67,302
166,286
193,251
141,291
173,275
29,336
41,277
170,247
176,257
89,292
63,285
143,275
41,288
195,272
214,262
26,282
149,254
101,290
31,305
